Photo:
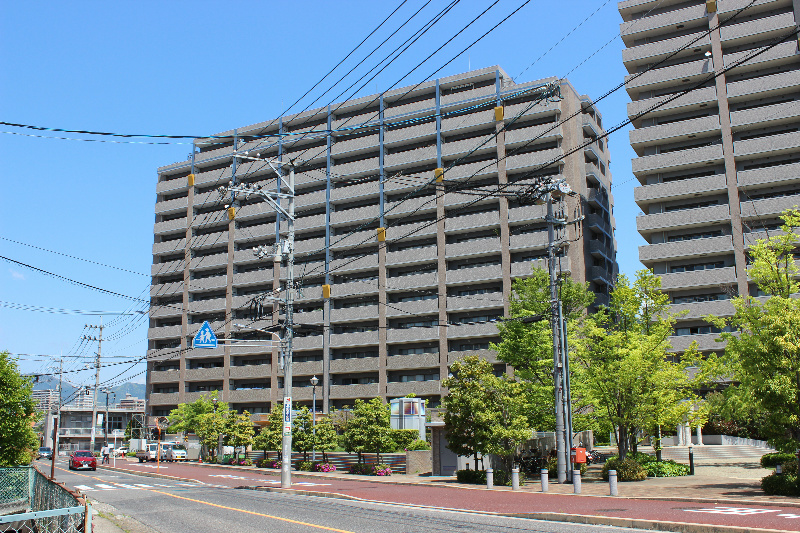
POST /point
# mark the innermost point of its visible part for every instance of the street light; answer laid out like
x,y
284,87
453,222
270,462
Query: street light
x,y
314,381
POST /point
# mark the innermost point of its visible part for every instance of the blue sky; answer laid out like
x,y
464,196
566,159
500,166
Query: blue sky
x,y
197,68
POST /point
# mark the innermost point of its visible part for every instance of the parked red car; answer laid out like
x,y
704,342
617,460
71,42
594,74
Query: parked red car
x,y
82,459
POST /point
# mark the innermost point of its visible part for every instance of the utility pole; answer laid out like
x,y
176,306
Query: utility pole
x,y
282,247
57,422
99,340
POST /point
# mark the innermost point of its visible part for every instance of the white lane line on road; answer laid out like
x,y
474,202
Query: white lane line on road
x,y
83,487
741,511
142,485
124,486
106,487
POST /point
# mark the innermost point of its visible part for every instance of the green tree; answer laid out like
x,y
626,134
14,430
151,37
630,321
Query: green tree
x,y
528,346
186,417
210,426
369,431
484,413
624,364
270,436
762,354
17,413
327,438
238,430
302,432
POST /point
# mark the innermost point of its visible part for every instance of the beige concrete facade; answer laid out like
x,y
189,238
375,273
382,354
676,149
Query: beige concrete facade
x,y
401,311
717,165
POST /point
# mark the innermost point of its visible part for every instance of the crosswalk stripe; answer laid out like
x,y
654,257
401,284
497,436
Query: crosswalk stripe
x,y
142,485
127,486
103,486
83,487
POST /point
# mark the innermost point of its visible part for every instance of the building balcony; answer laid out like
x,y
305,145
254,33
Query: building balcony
x,y
488,219
770,145
665,77
170,226
204,178
307,223
688,102
525,109
162,398
166,310
705,343
345,392
168,267
254,277
312,342
167,289
250,371
208,306
781,55
764,116
424,280
413,361
249,395
173,185
415,255
477,301
412,334
307,368
351,314
674,190
783,174
702,278
340,366
684,218
666,22
465,331
699,310
416,156
652,135
343,145
488,355
354,288
165,332
528,241
542,133
650,53
768,206
309,245
172,206
781,83
483,273
672,250
413,205
163,376
169,247
419,307
419,388
204,374
542,158
366,338
677,160
476,170
348,216
527,213
209,261
524,269
208,284
478,118
473,248
358,190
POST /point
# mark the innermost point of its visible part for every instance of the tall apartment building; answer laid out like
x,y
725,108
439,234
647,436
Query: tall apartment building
x,y
46,399
402,310
719,164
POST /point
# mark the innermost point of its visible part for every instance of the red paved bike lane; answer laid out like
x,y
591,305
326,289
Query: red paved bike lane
x,y
609,510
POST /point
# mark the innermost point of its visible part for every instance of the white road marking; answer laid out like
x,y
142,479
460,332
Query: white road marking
x,y
104,486
83,487
742,511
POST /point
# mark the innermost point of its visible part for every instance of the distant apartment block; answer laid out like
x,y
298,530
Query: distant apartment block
x,y
46,399
402,310
718,165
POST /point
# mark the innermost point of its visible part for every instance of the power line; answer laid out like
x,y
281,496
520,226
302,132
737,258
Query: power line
x,y
72,256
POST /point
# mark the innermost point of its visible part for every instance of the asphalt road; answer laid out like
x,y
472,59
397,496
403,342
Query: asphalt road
x,y
784,518
172,506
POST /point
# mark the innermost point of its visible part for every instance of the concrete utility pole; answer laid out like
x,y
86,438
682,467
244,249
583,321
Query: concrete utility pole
x,y
99,340
283,247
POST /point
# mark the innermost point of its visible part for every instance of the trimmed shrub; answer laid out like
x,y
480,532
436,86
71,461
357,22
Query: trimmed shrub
x,y
665,469
404,437
627,470
781,484
418,444
502,478
304,466
268,463
362,469
771,460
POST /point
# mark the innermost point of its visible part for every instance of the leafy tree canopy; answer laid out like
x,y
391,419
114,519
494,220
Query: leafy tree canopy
x,y
17,414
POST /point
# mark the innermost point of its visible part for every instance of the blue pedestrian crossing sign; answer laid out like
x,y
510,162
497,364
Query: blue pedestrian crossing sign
x,y
205,337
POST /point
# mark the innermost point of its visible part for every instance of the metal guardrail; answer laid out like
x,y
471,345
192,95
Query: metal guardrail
x,y
30,502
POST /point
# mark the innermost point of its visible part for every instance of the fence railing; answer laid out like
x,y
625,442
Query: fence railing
x,y
30,502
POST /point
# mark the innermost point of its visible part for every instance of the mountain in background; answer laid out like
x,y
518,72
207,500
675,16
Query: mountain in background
x,y
69,392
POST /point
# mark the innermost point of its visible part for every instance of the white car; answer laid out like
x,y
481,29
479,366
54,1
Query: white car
x,y
121,451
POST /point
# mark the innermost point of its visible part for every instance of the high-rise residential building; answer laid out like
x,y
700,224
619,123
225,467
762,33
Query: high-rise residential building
x,y
719,164
46,399
401,309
